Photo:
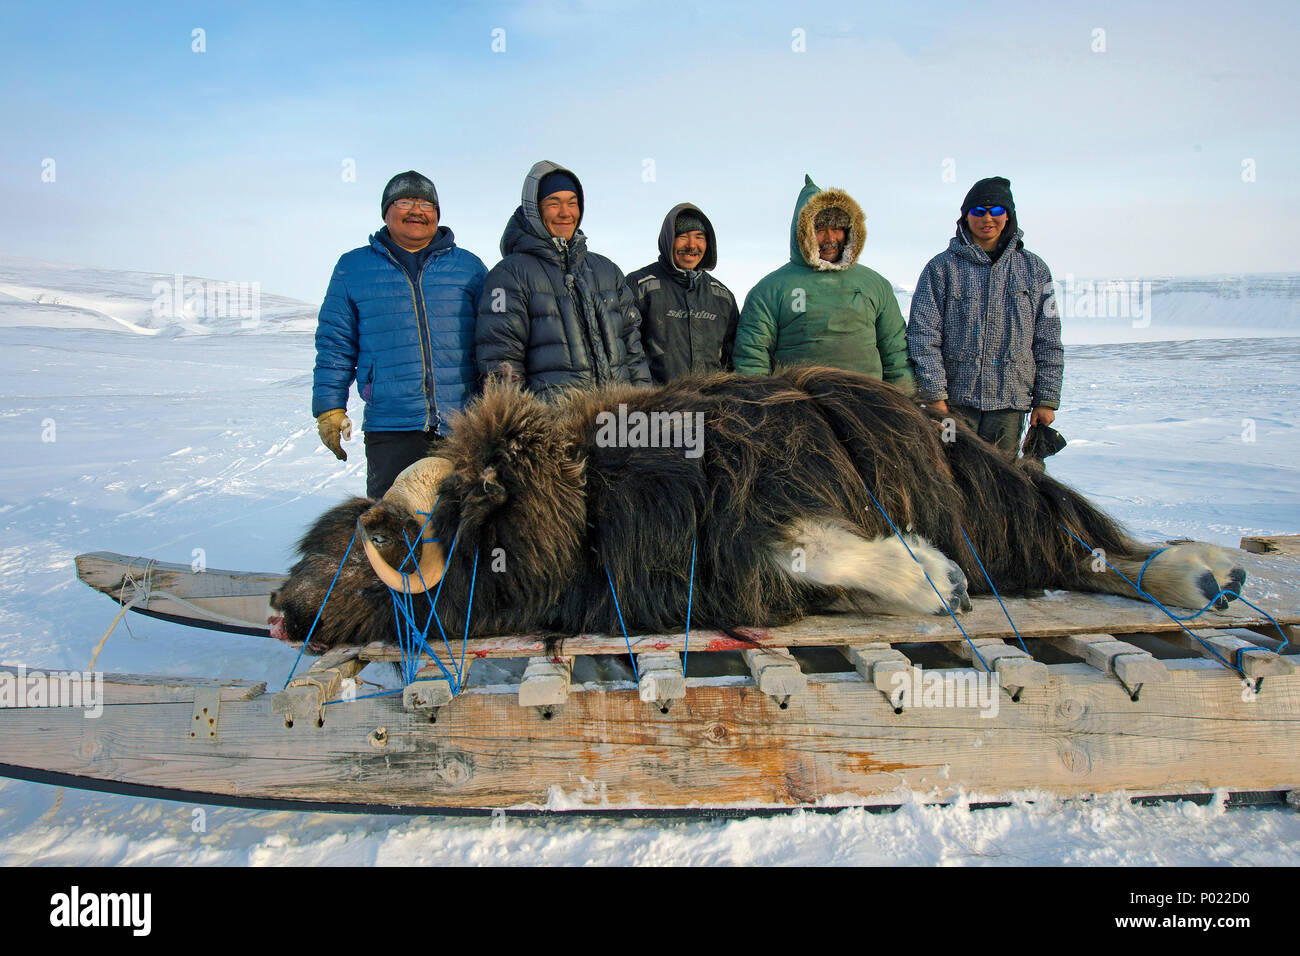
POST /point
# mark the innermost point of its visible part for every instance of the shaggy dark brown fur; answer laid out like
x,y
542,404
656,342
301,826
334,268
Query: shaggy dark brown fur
x,y
548,512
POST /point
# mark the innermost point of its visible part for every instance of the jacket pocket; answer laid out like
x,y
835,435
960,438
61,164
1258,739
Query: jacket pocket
x,y
367,388
849,313
1021,304
1021,373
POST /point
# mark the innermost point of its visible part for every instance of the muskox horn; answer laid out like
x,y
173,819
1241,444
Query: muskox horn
x,y
415,489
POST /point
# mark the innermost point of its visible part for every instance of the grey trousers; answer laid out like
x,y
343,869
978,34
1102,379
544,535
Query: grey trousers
x,y
1004,427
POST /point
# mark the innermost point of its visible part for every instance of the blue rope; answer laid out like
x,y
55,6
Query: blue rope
x,y
411,638
1174,617
975,650
419,635
626,641
311,630
468,611
1143,569
995,590
689,595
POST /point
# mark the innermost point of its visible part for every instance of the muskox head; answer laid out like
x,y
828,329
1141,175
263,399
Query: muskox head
x,y
508,506
385,539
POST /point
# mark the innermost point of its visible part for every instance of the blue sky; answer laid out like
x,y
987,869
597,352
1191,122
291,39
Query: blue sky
x,y
228,163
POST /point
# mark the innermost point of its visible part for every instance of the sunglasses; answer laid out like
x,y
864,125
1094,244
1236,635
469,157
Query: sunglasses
x,y
979,211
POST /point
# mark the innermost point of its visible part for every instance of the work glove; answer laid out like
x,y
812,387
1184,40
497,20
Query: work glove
x,y
333,426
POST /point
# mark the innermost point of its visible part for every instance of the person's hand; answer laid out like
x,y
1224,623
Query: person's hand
x,y
333,426
1042,415
941,406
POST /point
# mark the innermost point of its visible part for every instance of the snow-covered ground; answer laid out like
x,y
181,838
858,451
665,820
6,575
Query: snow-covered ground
x,y
133,429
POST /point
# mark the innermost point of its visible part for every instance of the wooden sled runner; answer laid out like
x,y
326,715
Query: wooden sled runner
x,y
1112,695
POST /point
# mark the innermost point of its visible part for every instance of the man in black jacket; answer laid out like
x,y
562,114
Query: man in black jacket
x,y
552,314
688,318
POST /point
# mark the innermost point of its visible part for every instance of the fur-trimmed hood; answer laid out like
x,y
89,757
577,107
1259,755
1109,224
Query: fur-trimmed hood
x,y
803,240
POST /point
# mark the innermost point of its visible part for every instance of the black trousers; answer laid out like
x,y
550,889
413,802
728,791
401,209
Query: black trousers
x,y
388,454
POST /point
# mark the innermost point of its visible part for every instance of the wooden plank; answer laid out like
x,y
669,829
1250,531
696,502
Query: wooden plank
x,y
775,671
1272,544
1276,575
143,688
106,571
839,743
238,598
1016,670
1255,662
1056,615
878,663
1290,633
429,690
305,696
546,682
1132,665
661,677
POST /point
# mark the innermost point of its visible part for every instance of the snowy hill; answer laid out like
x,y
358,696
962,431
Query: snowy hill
x,y
57,295
1172,309
39,293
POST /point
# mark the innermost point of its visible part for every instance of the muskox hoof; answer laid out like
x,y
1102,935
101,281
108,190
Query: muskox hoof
x,y
1194,575
938,585
959,589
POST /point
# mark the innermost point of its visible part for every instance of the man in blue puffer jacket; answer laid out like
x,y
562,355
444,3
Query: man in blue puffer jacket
x,y
399,319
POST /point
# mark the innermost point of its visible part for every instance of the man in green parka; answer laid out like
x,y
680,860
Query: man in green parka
x,y
822,307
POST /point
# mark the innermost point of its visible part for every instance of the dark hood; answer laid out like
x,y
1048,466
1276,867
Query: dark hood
x,y
667,234
525,232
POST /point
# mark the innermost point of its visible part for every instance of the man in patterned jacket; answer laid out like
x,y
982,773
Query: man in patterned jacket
x,y
984,333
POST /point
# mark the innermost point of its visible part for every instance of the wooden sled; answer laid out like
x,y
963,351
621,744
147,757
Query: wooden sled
x,y
1111,696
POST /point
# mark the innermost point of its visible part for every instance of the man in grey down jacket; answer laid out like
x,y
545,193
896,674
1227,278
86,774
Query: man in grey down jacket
x,y
688,318
554,315
399,319
984,333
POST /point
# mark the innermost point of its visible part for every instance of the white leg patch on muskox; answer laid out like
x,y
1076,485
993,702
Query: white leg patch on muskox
x,y
881,570
1188,575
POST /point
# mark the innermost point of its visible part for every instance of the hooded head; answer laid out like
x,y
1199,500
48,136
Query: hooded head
x,y
993,191
681,215
553,177
835,209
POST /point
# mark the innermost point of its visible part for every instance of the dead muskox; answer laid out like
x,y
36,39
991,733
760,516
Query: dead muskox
x,y
542,510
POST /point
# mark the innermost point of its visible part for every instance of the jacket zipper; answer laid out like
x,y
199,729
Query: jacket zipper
x,y
419,336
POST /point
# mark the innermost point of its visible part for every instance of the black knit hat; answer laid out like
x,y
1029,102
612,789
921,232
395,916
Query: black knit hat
x,y
688,221
994,191
558,181
408,185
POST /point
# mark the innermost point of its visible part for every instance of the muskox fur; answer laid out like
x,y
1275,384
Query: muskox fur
x,y
789,466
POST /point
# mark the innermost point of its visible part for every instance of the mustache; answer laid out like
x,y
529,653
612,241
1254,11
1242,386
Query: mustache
x,y
830,246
